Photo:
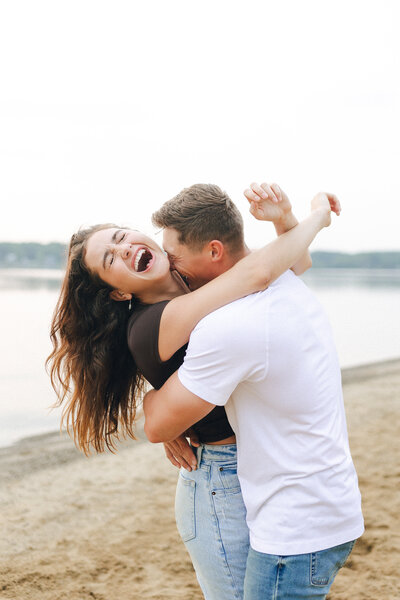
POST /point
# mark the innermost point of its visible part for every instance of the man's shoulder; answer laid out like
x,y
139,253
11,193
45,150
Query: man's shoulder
x,y
236,314
245,311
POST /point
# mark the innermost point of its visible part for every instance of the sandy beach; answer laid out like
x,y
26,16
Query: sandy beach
x,y
77,528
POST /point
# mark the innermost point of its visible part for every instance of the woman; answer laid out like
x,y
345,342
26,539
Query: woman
x,y
94,369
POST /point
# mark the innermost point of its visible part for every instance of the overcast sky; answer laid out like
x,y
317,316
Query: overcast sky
x,y
107,109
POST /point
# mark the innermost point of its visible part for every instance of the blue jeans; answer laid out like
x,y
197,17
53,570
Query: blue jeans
x,y
211,520
298,577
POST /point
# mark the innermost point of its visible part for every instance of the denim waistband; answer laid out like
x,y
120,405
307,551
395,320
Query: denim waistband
x,y
211,452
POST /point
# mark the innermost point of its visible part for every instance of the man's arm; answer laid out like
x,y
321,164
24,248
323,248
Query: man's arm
x,y
218,358
170,410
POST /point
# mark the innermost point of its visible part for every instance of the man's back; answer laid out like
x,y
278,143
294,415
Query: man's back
x,y
274,353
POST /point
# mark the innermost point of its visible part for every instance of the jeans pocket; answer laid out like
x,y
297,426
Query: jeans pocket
x,y
326,563
228,478
184,508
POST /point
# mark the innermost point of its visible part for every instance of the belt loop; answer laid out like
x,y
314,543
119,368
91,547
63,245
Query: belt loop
x,y
199,452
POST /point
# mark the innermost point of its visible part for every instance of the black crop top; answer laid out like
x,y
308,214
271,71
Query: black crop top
x,y
143,331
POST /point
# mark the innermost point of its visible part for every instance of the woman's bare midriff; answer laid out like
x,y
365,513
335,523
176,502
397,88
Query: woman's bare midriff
x,y
229,440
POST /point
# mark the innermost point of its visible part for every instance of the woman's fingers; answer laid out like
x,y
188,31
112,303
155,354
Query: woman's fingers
x,y
250,195
180,453
270,193
257,193
338,208
170,456
277,191
255,210
335,204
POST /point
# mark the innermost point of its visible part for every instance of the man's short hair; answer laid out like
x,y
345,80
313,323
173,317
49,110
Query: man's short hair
x,y
201,213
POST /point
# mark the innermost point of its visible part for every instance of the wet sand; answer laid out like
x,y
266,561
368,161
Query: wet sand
x,y
103,528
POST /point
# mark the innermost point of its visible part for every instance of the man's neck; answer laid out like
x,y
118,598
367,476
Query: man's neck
x,y
233,258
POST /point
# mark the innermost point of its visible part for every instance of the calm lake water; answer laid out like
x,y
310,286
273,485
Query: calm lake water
x,y
363,306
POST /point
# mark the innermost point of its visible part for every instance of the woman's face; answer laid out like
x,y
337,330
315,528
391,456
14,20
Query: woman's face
x,y
127,260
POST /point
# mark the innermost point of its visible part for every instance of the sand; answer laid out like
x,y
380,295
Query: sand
x,y
103,528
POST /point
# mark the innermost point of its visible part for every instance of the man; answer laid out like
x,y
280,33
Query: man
x,y
271,360
203,236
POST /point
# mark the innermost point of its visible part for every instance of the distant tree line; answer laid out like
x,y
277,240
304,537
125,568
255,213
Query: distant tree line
x,y
363,260
54,256
33,255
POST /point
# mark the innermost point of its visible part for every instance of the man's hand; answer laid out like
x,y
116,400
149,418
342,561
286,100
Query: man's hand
x,y
326,204
180,454
268,202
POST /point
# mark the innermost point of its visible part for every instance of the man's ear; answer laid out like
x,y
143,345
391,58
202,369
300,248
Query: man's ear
x,y
120,296
216,250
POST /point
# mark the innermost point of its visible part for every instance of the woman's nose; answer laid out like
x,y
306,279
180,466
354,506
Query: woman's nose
x,y
124,250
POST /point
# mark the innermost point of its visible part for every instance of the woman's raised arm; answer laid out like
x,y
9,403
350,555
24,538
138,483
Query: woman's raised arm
x,y
253,273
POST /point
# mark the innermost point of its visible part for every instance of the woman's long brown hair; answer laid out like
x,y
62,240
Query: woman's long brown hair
x,y
91,368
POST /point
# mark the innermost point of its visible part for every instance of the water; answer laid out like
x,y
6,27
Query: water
x,y
27,300
363,307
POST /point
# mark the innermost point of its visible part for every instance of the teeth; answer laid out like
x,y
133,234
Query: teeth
x,y
138,257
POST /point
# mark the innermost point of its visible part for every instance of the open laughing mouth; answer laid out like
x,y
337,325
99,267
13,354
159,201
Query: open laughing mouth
x,y
143,260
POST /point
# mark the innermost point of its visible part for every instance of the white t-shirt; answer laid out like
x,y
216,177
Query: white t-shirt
x,y
271,358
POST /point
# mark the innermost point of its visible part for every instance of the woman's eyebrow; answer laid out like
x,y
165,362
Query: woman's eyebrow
x,y
107,252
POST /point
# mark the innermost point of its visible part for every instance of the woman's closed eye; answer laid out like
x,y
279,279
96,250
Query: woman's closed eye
x,y
112,256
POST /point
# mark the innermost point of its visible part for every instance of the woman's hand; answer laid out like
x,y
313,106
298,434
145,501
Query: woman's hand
x,y
326,204
268,202
180,454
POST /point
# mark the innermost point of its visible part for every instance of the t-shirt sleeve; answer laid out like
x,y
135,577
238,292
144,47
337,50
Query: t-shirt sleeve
x,y
223,351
